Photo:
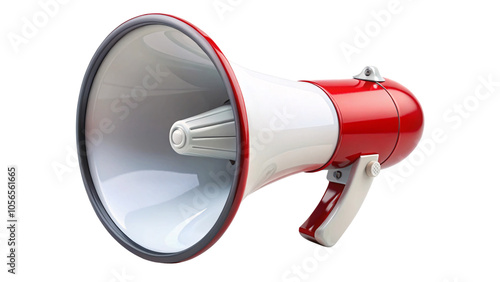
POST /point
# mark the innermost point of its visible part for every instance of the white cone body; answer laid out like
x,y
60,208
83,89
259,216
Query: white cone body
x,y
293,127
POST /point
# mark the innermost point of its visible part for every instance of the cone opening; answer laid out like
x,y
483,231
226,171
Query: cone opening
x,y
150,72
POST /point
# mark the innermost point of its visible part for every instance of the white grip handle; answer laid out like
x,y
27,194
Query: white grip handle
x,y
341,202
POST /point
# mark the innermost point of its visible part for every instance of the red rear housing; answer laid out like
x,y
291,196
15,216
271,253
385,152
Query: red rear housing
x,y
381,118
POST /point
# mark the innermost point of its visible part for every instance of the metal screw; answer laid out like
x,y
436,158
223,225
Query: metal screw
x,y
368,72
338,174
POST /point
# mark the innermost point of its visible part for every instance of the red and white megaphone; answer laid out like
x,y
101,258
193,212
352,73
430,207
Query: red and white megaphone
x,y
172,137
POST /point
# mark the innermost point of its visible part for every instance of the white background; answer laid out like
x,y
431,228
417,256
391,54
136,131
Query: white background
x,y
434,217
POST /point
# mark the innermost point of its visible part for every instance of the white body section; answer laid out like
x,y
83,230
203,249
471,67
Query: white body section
x,y
293,127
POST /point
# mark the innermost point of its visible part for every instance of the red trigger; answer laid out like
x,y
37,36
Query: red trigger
x,y
319,215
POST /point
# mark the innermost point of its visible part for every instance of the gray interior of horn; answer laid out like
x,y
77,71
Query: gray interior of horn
x,y
163,201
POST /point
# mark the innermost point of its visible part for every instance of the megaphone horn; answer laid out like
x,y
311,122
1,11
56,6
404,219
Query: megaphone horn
x,y
171,138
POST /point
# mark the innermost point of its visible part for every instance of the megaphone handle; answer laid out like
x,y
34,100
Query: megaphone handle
x,y
346,192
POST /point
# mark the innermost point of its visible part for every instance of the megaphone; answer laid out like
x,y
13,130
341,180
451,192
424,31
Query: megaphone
x,y
171,138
